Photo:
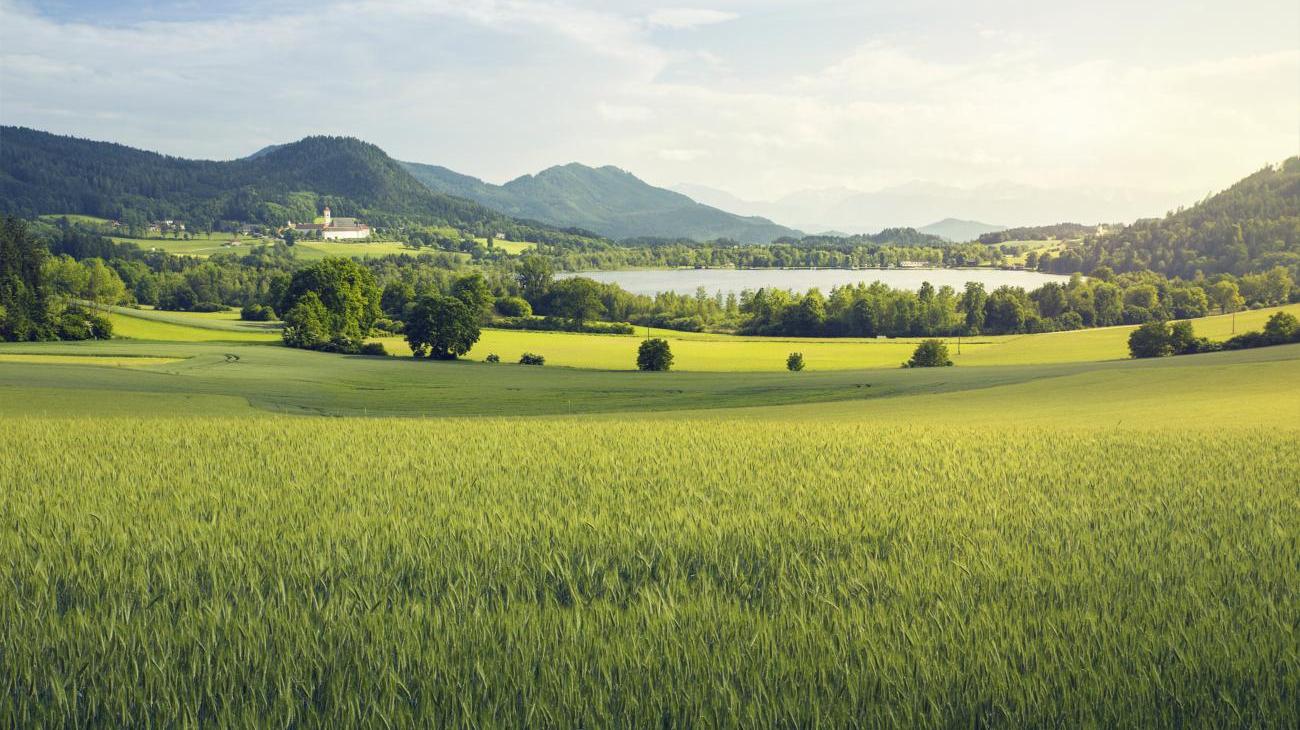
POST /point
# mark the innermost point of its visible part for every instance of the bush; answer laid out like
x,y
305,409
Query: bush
x,y
208,307
493,358
374,349
794,363
930,354
77,324
529,358
514,307
391,326
1282,327
654,355
1152,339
256,313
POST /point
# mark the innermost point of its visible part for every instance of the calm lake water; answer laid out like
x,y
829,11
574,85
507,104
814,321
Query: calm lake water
x,y
687,281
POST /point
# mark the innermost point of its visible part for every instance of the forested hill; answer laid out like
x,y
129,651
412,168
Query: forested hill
x,y
46,173
1252,226
606,200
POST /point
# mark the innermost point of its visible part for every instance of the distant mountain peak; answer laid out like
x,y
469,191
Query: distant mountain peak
x,y
606,199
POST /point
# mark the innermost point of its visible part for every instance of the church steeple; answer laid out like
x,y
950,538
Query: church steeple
x,y
326,214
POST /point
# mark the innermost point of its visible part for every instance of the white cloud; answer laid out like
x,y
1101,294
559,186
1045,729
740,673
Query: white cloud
x,y
687,18
497,88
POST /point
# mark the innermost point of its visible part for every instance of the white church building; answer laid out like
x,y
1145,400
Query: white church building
x,y
334,228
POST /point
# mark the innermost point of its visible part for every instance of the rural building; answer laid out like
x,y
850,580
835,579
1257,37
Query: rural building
x,y
334,228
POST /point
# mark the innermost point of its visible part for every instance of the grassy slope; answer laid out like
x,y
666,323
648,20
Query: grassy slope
x,y
280,379
723,353
305,250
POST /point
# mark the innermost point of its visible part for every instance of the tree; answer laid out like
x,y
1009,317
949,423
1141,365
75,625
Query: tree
x,y
103,285
397,294
1152,339
473,290
1282,327
794,363
441,327
24,293
347,291
535,276
307,325
513,307
577,299
654,355
1226,296
929,354
1182,340
1006,310
972,304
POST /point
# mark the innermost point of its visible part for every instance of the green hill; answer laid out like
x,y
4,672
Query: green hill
x,y
607,200
1252,226
43,173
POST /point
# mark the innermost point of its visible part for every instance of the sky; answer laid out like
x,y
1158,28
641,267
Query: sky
x,y
760,98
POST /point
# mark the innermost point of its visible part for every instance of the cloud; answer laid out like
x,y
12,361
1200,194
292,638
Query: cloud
x,y
687,18
497,88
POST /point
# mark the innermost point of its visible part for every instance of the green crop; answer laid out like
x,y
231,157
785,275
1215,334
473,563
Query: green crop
x,y
560,572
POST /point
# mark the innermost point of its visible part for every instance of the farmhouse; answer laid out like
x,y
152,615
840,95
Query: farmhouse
x,y
334,228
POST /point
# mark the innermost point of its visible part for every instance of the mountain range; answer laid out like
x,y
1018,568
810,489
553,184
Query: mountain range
x,y
919,204
606,200
47,173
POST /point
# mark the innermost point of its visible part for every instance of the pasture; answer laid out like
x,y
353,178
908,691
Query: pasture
x,y
280,533
206,245
728,353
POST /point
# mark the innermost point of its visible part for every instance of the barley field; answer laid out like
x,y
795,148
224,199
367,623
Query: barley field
x,y
318,572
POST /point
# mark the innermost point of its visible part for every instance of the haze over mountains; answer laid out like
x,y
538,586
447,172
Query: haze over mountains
x,y
606,200
921,204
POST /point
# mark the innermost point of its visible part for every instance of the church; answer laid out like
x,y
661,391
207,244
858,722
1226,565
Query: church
x,y
334,228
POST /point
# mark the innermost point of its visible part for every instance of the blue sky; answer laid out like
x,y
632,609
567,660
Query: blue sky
x,y
758,98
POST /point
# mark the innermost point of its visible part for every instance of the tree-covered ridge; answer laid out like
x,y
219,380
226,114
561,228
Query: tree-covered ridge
x,y
607,200
42,173
1252,226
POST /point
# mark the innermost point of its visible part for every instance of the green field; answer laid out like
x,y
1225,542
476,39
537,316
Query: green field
x,y
214,243
705,352
726,353
206,528
513,248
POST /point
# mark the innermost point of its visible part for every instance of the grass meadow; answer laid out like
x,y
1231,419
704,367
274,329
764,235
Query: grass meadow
x,y
202,527
206,245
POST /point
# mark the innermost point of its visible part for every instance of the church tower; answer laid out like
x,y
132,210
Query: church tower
x,y
326,213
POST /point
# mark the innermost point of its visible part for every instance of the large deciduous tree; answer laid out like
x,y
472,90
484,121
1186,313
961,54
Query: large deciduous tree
x,y
348,293
441,327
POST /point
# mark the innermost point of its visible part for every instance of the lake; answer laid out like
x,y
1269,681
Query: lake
x,y
687,281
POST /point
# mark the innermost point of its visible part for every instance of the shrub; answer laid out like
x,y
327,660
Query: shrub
x,y
1152,339
493,358
256,313
514,307
1282,327
208,307
77,324
374,349
929,354
654,355
794,363
529,358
